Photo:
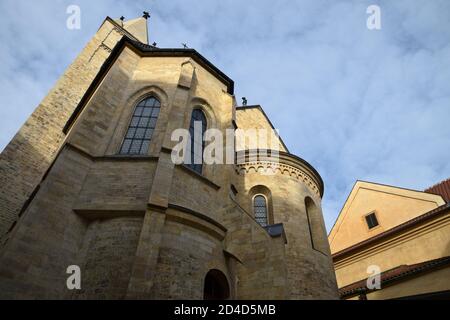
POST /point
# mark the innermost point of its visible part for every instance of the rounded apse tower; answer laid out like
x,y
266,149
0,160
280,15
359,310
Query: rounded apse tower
x,y
285,189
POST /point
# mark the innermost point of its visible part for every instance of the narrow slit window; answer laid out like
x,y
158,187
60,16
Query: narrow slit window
x,y
142,124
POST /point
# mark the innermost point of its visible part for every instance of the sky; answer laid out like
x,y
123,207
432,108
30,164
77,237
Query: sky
x,y
357,104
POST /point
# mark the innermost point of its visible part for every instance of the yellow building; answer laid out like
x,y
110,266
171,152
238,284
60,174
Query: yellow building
x,y
400,234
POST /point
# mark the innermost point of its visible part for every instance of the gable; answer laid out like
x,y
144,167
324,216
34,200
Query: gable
x,y
392,206
253,117
138,28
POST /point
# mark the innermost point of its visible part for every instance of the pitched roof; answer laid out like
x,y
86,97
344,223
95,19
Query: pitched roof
x,y
138,28
260,108
442,188
396,274
347,213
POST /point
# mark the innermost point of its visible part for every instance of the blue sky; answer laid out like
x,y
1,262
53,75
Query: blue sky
x,y
355,103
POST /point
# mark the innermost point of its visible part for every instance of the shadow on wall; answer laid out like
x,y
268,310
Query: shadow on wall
x,y
316,223
21,168
446,252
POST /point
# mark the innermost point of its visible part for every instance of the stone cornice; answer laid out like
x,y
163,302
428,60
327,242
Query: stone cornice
x,y
282,163
196,220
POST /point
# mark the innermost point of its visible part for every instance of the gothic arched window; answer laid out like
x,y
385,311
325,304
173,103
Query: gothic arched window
x,y
260,209
142,125
197,129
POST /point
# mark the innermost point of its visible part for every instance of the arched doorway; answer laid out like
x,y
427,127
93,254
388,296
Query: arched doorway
x,y
216,286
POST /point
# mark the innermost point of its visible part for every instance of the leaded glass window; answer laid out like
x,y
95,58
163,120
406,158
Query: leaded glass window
x,y
197,130
142,125
260,209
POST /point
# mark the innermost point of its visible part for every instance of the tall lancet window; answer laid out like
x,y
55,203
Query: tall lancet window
x,y
141,127
260,209
195,148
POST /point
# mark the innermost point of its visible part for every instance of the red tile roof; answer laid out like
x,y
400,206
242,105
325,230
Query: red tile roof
x,y
397,274
442,189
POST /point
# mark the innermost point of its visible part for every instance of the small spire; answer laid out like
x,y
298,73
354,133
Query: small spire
x,y
146,15
137,27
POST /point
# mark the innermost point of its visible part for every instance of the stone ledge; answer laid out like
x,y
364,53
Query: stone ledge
x,y
276,230
108,213
114,157
196,220
199,176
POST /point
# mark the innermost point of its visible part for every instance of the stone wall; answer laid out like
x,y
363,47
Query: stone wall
x,y
48,236
310,273
253,117
116,185
185,256
257,258
25,159
110,250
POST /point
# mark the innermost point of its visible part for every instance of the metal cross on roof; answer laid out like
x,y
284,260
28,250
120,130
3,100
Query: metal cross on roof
x,y
146,15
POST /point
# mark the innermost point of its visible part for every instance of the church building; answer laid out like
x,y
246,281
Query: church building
x,y
88,183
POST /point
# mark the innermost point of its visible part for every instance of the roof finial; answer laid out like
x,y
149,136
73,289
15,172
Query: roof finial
x,y
146,15
184,45
244,101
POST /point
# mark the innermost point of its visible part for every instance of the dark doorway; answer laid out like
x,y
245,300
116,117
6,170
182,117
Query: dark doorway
x,y
216,286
